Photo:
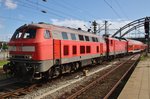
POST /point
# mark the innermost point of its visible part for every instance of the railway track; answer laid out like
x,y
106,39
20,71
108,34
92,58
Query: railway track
x,y
1,70
2,74
17,89
13,87
105,86
9,81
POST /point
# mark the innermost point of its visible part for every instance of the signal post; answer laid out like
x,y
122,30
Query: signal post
x,y
146,27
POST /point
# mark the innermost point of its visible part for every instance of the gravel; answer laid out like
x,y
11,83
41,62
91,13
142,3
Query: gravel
x,y
66,84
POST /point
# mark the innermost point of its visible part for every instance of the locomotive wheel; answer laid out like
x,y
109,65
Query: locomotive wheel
x,y
77,65
70,70
48,75
99,61
56,71
73,67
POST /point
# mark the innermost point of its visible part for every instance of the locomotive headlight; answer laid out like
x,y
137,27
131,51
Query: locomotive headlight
x,y
29,57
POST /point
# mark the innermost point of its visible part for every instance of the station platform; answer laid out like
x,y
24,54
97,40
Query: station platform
x,y
138,85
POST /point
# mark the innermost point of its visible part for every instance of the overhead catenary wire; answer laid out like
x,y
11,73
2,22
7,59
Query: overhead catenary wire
x,y
34,7
112,9
39,9
14,19
60,13
36,10
122,10
62,5
69,6
23,4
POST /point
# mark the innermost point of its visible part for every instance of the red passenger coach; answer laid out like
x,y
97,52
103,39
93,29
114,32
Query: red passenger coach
x,y
44,51
117,46
135,46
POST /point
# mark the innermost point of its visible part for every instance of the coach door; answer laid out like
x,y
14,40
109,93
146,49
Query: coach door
x,y
101,48
57,50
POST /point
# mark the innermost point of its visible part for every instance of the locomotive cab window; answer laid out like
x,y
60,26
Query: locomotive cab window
x,y
17,35
25,33
29,33
47,34
64,36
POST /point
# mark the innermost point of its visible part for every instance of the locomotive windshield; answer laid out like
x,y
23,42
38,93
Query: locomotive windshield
x,y
28,33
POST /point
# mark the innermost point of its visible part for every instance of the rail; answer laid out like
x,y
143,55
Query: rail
x,y
10,93
80,91
120,80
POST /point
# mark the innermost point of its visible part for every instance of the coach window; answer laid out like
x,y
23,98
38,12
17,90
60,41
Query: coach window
x,y
47,34
64,35
66,50
87,38
81,37
82,49
74,48
73,36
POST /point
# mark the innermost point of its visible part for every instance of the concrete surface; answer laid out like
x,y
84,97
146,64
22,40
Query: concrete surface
x,y
138,85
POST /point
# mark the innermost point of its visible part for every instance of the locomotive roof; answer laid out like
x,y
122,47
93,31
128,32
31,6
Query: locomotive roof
x,y
63,29
135,41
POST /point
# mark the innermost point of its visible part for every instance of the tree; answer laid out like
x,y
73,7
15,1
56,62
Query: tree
x,y
4,46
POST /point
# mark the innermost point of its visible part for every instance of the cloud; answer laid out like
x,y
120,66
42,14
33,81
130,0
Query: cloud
x,y
70,23
114,25
10,4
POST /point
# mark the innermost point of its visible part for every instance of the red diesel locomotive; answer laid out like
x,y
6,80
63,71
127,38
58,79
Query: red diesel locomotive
x,y
44,51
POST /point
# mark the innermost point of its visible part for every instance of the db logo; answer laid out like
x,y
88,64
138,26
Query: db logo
x,y
19,48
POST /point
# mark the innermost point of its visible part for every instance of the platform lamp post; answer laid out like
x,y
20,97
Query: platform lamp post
x,y
146,27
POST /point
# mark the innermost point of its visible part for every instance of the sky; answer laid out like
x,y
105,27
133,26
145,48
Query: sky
x,y
70,13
